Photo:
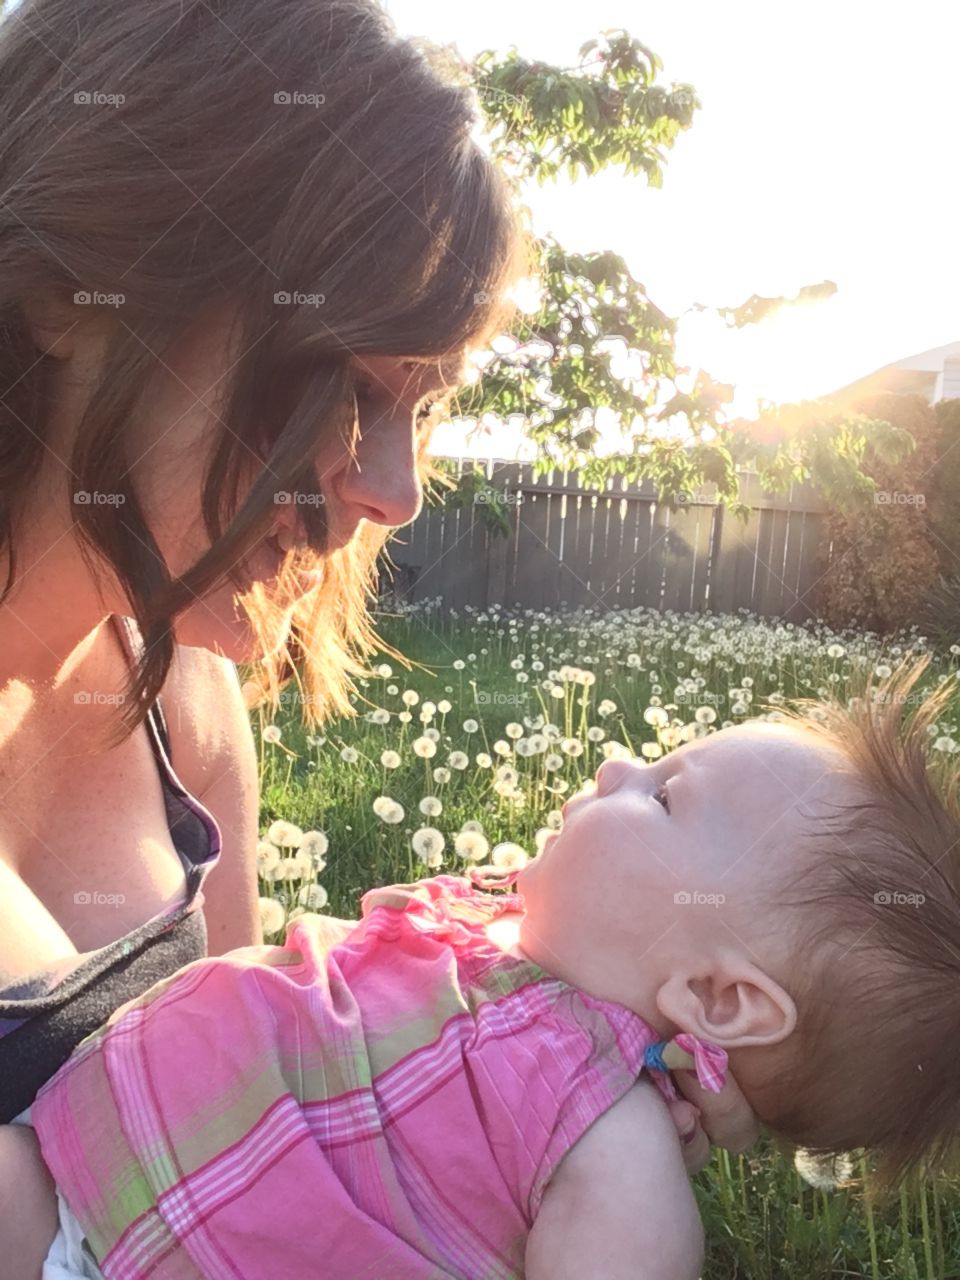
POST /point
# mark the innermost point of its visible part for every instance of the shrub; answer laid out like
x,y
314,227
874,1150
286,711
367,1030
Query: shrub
x,y
878,561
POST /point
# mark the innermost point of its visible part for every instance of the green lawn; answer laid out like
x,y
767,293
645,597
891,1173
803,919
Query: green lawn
x,y
487,693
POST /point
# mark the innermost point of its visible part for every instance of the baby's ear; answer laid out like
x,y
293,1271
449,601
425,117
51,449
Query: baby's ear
x,y
734,1005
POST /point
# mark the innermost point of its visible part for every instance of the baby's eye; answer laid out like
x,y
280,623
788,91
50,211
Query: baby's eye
x,y
661,797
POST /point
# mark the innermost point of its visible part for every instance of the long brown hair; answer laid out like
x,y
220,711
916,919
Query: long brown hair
x,y
187,154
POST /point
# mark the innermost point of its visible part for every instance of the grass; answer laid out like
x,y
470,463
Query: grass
x,y
638,682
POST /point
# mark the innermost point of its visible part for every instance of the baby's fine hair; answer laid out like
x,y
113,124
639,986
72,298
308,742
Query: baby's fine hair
x,y
879,997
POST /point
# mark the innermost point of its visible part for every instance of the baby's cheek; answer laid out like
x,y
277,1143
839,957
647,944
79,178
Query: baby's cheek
x,y
549,898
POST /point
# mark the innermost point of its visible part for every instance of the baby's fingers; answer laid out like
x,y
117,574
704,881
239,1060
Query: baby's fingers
x,y
726,1116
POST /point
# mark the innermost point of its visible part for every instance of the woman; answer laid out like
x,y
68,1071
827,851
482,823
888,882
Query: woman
x,y
244,245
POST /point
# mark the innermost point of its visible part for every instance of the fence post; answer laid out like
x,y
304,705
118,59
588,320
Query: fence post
x,y
497,548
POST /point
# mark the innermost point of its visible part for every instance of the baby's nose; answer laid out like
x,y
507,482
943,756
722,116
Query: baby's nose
x,y
614,773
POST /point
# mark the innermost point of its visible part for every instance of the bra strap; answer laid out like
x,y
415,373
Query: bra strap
x,y
132,643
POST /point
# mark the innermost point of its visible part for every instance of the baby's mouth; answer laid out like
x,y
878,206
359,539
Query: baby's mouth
x,y
586,792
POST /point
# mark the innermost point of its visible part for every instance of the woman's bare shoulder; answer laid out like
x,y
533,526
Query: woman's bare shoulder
x,y
206,718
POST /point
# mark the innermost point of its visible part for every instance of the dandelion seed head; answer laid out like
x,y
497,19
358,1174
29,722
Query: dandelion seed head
x,y
427,843
823,1171
473,846
312,897
272,916
508,856
286,835
268,856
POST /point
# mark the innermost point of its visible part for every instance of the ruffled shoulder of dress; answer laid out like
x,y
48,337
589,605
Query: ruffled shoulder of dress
x,y
452,907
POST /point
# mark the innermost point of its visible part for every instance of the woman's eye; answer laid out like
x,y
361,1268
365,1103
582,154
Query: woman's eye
x,y
660,795
365,392
426,411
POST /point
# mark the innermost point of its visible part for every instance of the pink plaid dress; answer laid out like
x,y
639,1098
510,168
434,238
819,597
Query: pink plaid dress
x,y
386,1101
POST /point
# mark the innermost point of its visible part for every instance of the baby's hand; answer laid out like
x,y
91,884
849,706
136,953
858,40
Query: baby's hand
x,y
724,1119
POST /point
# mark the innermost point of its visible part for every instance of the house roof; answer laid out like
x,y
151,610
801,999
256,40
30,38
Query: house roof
x,y
918,373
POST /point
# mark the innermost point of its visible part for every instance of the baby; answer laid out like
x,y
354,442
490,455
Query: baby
x,y
471,1084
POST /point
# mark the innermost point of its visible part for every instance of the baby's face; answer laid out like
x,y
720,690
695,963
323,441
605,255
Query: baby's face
x,y
689,852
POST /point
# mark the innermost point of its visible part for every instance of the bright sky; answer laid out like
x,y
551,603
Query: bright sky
x,y
825,149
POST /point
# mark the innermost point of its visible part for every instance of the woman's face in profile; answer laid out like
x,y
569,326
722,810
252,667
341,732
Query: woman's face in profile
x,y
378,484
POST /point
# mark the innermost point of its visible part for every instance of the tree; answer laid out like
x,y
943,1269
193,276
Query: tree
x,y
609,109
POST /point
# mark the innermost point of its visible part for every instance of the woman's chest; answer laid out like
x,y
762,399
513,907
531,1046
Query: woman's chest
x,y
85,846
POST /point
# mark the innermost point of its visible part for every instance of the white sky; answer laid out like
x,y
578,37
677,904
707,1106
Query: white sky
x,y
826,148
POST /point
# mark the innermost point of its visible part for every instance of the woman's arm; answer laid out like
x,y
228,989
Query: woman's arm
x,y
28,1205
725,1119
213,751
620,1206
230,892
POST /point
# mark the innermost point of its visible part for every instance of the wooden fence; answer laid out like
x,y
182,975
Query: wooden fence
x,y
570,547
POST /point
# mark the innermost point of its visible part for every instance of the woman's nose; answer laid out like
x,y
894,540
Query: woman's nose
x,y
381,482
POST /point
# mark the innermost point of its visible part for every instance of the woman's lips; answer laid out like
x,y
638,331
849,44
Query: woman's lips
x,y
263,565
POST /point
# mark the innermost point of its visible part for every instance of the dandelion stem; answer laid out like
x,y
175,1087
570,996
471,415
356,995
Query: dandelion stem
x,y
871,1224
927,1242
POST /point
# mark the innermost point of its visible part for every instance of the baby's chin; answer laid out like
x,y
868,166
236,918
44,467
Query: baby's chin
x,y
528,874
518,885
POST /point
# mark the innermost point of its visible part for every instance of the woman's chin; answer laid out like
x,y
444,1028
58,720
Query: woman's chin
x,y
220,624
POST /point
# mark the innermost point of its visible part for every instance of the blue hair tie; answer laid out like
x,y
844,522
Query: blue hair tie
x,y
653,1056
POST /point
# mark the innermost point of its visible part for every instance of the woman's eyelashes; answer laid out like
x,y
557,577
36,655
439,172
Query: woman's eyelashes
x,y
661,797
366,394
